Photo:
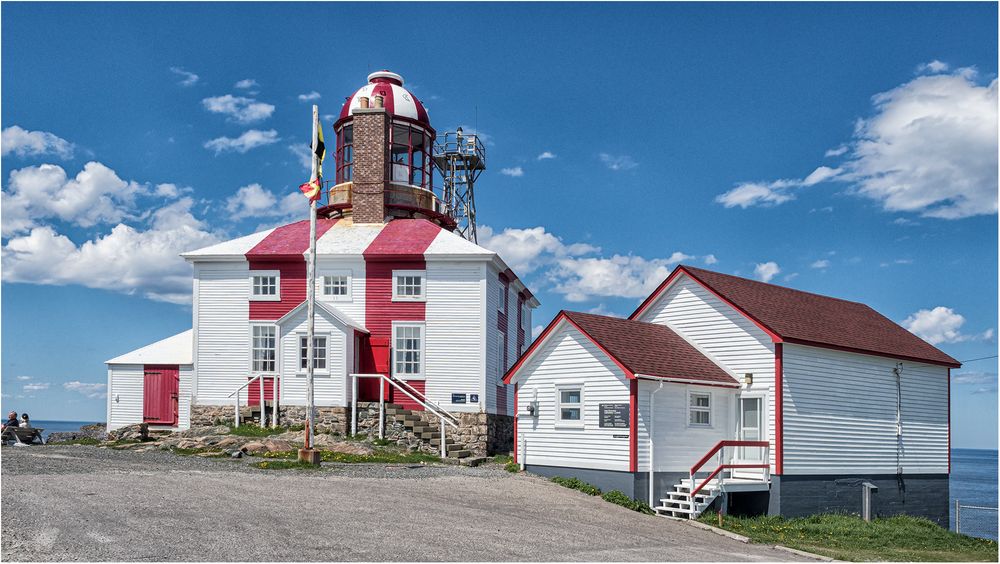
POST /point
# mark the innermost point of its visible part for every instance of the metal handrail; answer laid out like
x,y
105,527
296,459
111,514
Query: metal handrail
x,y
236,392
426,400
722,465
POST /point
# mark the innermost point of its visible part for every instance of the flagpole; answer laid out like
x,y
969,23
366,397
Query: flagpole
x,y
311,290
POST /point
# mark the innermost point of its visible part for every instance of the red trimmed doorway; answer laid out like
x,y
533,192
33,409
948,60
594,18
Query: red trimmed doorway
x,y
160,393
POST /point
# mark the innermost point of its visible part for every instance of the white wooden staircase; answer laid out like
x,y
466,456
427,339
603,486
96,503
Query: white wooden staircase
x,y
693,495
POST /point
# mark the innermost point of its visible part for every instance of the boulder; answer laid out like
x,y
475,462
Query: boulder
x,y
203,431
98,431
254,447
278,445
139,431
348,447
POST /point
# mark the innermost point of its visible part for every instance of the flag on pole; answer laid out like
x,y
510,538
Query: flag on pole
x,y
320,149
311,189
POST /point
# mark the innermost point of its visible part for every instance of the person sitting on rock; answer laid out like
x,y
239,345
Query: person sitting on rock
x,y
25,422
11,420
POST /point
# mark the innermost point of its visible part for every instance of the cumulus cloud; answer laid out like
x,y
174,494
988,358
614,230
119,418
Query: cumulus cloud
x,y
310,97
822,263
250,139
303,153
246,83
24,377
545,155
930,148
36,387
514,171
91,390
617,162
582,278
980,382
95,195
836,151
601,309
933,67
187,78
710,259
127,259
941,325
238,108
525,250
254,201
23,143
536,331
766,271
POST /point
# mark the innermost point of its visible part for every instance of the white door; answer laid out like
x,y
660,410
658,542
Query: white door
x,y
751,428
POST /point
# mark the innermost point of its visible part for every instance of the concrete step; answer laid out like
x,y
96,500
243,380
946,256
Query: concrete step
x,y
459,453
407,417
437,442
426,436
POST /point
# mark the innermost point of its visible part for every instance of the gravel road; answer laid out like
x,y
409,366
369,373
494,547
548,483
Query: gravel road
x,y
87,503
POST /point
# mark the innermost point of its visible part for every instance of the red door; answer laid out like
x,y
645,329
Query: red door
x,y
161,388
374,360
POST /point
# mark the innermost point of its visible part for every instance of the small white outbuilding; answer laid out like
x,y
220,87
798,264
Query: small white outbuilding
x,y
152,384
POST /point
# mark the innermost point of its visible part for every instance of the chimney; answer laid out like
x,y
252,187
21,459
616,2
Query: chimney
x,y
371,159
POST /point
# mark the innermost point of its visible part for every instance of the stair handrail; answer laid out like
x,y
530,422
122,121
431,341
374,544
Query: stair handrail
x,y
237,391
426,401
724,466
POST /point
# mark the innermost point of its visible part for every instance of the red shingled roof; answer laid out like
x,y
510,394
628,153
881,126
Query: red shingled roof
x,y
795,316
642,348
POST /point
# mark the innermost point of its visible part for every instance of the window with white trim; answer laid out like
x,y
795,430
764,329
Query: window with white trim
x,y
700,409
263,345
408,285
265,285
569,405
319,352
408,349
336,287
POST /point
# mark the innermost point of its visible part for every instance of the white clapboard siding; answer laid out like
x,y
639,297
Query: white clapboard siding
x,y
721,333
453,326
354,307
329,386
679,445
222,350
840,414
184,396
492,358
569,357
125,395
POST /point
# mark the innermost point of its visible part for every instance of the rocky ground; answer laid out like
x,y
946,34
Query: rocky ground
x,y
78,502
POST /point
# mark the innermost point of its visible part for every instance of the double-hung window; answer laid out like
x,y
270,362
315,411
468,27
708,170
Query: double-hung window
x,y
265,285
408,350
319,352
408,286
336,286
700,409
569,405
263,348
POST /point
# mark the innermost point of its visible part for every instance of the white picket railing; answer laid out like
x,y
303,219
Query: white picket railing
x,y
263,412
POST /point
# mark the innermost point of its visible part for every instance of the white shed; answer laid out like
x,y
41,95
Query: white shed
x,y
152,384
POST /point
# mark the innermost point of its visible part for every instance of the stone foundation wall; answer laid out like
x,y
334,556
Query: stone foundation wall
x,y
328,419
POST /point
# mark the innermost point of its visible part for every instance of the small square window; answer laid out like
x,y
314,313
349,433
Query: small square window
x,y
569,405
408,285
319,352
265,286
700,409
336,287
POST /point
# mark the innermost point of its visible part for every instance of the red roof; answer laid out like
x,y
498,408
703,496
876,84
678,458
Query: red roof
x,y
801,317
641,348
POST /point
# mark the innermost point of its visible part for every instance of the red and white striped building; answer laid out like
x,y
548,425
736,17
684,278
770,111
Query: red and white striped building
x,y
398,293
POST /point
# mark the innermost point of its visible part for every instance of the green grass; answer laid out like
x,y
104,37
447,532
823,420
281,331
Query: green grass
x,y
618,498
81,441
508,463
285,465
846,537
255,431
377,457
577,484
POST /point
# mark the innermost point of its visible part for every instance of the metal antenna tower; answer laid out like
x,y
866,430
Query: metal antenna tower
x,y
460,158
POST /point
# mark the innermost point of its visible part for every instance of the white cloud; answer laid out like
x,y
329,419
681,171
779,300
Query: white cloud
x,y
36,387
837,151
765,271
484,137
246,83
601,309
929,148
187,78
514,171
822,263
170,191
524,250
941,325
23,143
617,162
583,278
710,259
310,97
546,155
250,139
125,260
254,201
536,331
238,108
96,195
90,390
304,154
932,67
28,378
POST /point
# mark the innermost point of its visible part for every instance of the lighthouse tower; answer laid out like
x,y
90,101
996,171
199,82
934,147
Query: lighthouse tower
x,y
384,157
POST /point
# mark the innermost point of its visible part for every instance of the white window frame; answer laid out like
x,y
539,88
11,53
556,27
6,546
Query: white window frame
x,y
710,409
277,348
502,306
422,351
265,297
299,369
321,286
423,286
570,386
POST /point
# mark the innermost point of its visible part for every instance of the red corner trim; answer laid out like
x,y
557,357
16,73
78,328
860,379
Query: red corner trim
x,y
633,437
515,422
673,275
779,414
949,421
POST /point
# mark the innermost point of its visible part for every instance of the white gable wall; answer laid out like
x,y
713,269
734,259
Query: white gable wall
x,y
721,333
569,357
222,347
840,414
126,383
355,265
330,385
454,332
677,444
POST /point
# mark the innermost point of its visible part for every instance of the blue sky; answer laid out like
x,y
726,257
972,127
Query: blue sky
x,y
845,149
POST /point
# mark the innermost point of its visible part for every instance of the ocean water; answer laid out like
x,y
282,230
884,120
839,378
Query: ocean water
x,y
974,482
59,426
